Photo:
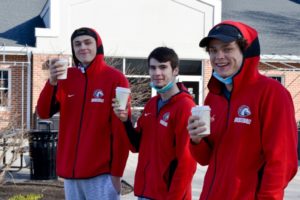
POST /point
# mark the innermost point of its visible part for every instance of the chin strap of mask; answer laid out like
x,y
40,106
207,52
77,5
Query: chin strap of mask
x,y
163,89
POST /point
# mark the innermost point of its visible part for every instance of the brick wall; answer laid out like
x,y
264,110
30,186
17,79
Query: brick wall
x,y
207,70
40,75
12,118
291,80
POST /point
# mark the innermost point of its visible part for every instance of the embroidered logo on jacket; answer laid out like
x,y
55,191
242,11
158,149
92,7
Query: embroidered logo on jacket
x,y
97,96
147,114
164,120
243,112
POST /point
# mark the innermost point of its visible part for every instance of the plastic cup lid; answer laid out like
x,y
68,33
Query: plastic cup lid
x,y
200,108
122,89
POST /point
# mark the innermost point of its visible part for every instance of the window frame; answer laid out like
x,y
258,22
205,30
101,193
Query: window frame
x,y
275,77
5,108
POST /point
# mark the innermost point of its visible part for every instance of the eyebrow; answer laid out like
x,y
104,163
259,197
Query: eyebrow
x,y
160,65
85,40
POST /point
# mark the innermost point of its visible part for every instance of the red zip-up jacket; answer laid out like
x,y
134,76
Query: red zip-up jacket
x,y
165,166
251,152
92,140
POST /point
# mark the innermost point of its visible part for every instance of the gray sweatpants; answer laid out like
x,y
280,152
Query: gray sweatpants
x,y
97,188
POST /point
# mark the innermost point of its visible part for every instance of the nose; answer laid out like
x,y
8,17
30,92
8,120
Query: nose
x,y
82,46
219,54
155,71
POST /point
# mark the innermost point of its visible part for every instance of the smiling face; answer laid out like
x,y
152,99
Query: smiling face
x,y
226,58
161,73
85,49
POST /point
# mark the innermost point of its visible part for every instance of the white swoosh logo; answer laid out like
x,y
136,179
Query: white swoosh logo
x,y
146,114
71,95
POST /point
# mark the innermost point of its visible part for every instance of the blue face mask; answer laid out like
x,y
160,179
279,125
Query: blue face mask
x,y
226,81
163,89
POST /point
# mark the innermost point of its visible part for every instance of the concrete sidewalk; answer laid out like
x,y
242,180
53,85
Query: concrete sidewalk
x,y
292,192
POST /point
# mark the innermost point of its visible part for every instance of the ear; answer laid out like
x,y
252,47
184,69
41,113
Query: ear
x,y
176,71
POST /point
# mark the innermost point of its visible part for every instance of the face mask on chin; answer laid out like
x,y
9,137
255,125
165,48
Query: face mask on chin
x,y
226,81
163,89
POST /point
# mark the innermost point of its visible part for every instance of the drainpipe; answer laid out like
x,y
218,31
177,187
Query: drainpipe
x,y
28,113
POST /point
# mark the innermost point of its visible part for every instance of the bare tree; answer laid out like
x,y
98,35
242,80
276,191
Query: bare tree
x,y
12,142
139,85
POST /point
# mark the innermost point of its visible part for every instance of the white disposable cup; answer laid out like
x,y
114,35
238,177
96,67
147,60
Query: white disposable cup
x,y
203,112
122,95
64,62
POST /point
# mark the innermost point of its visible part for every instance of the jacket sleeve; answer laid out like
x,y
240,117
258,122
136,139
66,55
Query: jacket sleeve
x,y
180,186
120,143
133,136
47,104
279,141
202,152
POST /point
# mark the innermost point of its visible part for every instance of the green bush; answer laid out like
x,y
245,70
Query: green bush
x,y
26,197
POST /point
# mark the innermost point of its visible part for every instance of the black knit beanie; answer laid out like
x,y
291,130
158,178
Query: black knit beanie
x,y
83,31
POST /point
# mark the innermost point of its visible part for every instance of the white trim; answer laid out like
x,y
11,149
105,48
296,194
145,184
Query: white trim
x,y
29,92
199,80
6,108
276,58
137,76
216,6
6,65
217,9
52,9
11,50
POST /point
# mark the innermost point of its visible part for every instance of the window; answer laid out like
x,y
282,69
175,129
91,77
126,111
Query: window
x,y
190,67
140,91
140,94
137,66
278,78
115,62
4,89
137,72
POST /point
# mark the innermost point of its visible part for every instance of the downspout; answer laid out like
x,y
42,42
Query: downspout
x,y
28,114
22,99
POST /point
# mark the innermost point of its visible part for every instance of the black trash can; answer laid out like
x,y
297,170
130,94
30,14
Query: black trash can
x,y
42,150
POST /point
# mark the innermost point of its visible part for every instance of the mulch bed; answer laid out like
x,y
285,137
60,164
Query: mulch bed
x,y
51,190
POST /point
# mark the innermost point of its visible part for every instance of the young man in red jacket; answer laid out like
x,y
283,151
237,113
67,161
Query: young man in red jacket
x,y
92,147
165,166
251,151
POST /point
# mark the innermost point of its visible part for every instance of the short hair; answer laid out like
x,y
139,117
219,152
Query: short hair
x,y
165,54
241,42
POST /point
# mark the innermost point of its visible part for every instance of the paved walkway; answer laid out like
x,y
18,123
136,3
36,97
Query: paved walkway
x,y
292,192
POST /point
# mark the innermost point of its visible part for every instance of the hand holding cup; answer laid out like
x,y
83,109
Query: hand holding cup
x,y
121,114
58,69
199,123
122,95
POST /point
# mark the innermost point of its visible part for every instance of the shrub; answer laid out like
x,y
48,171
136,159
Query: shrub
x,y
26,197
